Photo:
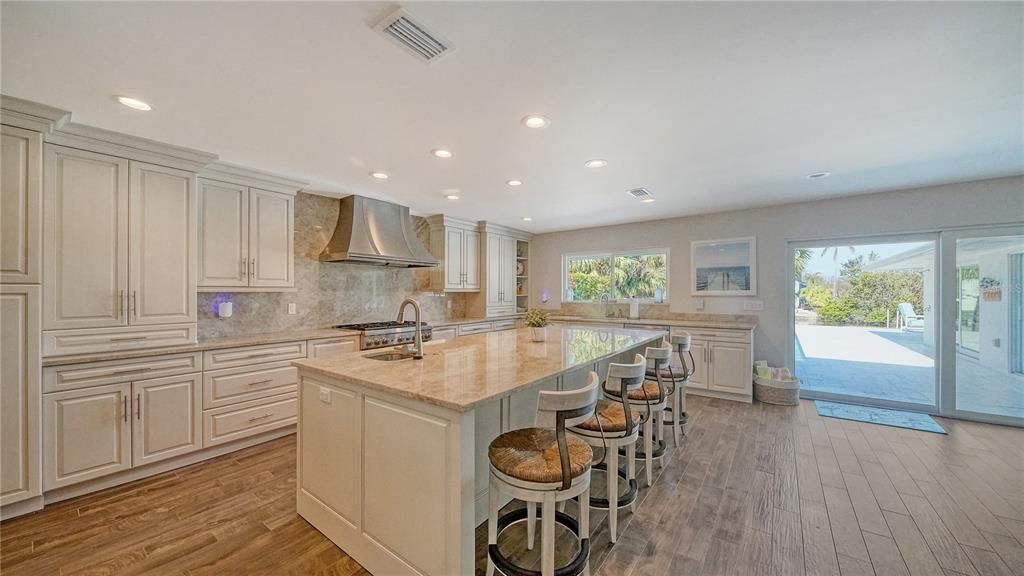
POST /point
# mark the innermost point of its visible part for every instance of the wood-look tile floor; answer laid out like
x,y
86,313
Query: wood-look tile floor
x,y
753,489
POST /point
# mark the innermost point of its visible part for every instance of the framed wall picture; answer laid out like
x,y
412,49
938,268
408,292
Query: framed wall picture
x,y
725,267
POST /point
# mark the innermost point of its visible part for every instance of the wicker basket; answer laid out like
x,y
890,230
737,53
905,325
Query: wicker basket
x,y
785,392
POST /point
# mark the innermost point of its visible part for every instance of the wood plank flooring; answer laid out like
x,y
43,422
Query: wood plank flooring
x,y
753,489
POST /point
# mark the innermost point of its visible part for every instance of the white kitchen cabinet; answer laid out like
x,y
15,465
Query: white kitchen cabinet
x,y
271,229
223,234
456,244
21,210
86,434
330,346
699,378
168,417
246,235
492,256
723,362
508,273
20,373
730,368
161,245
85,247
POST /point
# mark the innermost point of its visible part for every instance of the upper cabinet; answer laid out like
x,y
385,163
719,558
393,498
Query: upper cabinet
x,y
246,230
503,249
456,244
21,214
119,247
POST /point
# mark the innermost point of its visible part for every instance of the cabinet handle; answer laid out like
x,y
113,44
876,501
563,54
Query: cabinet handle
x,y
128,338
138,406
711,355
252,268
120,304
131,370
125,402
135,304
244,270
258,418
258,382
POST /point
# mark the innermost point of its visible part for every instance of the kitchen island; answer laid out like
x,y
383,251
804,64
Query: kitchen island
x,y
392,455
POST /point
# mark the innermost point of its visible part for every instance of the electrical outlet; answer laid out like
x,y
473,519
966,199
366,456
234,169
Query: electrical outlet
x,y
699,303
291,308
325,395
753,305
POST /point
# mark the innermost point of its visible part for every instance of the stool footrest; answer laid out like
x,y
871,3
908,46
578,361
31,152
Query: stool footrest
x,y
507,567
659,451
682,421
627,498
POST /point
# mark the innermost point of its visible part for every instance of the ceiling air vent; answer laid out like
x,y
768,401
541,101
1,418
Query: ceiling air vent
x,y
413,37
639,193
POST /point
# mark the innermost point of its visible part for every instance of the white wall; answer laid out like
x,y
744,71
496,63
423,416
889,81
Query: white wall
x,y
998,201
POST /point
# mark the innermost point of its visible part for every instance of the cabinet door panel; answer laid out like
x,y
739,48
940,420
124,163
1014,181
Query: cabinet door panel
x,y
270,239
453,259
471,259
19,393
86,435
522,406
699,378
162,245
508,271
331,346
85,206
730,368
168,419
493,260
21,210
223,234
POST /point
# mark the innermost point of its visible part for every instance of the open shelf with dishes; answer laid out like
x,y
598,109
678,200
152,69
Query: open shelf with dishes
x,y
522,276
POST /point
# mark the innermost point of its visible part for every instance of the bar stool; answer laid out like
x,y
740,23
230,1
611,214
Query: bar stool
x,y
654,396
544,465
616,425
677,380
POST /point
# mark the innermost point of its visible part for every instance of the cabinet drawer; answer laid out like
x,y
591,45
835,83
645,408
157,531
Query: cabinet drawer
x,y
465,329
232,357
74,376
504,324
718,334
82,340
440,334
248,419
331,346
234,385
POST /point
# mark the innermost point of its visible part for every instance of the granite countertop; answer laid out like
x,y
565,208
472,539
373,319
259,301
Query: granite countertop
x,y
467,371
724,323
204,344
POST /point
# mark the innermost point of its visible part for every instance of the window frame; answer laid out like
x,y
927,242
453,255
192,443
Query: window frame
x,y
611,255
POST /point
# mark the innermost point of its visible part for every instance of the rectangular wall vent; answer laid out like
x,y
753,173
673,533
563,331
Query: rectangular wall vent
x,y
639,193
413,37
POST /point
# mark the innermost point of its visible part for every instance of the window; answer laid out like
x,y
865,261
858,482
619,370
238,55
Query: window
x,y
616,276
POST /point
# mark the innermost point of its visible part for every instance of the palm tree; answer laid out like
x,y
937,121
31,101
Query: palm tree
x,y
802,256
835,265
639,276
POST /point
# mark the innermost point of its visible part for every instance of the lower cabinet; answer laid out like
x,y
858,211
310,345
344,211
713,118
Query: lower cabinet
x,y
731,367
20,447
249,418
329,346
723,363
86,434
168,419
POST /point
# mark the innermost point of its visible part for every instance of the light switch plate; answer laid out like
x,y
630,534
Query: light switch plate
x,y
699,303
325,395
291,308
753,305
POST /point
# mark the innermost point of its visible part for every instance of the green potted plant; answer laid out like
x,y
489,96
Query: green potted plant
x,y
538,321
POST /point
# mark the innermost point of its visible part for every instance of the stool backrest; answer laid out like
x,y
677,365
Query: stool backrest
x,y
683,343
567,408
624,378
659,356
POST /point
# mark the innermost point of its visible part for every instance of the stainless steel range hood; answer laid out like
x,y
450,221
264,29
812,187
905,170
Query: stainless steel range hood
x,y
378,233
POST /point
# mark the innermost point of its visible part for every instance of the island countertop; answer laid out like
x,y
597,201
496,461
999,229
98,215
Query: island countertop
x,y
467,371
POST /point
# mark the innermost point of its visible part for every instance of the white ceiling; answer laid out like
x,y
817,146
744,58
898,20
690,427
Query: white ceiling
x,y
712,106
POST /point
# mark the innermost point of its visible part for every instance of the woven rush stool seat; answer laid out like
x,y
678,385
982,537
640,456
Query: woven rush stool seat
x,y
610,417
532,454
650,391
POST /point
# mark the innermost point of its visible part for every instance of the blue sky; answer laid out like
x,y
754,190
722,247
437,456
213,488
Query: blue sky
x,y
825,266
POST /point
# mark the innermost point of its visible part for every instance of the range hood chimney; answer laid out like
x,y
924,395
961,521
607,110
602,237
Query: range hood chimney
x,y
377,233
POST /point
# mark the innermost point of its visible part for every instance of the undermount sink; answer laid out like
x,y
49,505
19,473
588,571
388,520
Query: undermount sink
x,y
389,356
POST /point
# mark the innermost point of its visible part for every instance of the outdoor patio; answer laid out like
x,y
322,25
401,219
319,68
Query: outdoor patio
x,y
894,365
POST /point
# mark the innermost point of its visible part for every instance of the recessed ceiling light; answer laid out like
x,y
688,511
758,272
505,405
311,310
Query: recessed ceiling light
x,y
527,218
379,175
816,175
452,196
596,163
535,121
134,103
647,200
515,182
442,153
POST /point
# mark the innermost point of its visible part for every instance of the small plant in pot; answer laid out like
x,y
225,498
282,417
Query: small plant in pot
x,y
538,321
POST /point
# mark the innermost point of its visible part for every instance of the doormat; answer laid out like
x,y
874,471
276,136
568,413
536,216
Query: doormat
x,y
883,416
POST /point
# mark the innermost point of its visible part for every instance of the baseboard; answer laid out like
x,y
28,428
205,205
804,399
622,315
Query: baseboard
x,y
20,508
720,395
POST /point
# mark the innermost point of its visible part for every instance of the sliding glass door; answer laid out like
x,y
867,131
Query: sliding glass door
x,y
864,324
984,369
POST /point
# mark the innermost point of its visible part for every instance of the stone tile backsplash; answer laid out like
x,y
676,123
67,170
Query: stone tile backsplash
x,y
327,293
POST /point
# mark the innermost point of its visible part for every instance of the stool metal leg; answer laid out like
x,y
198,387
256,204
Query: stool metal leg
x,y
531,524
493,500
660,423
613,492
547,535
